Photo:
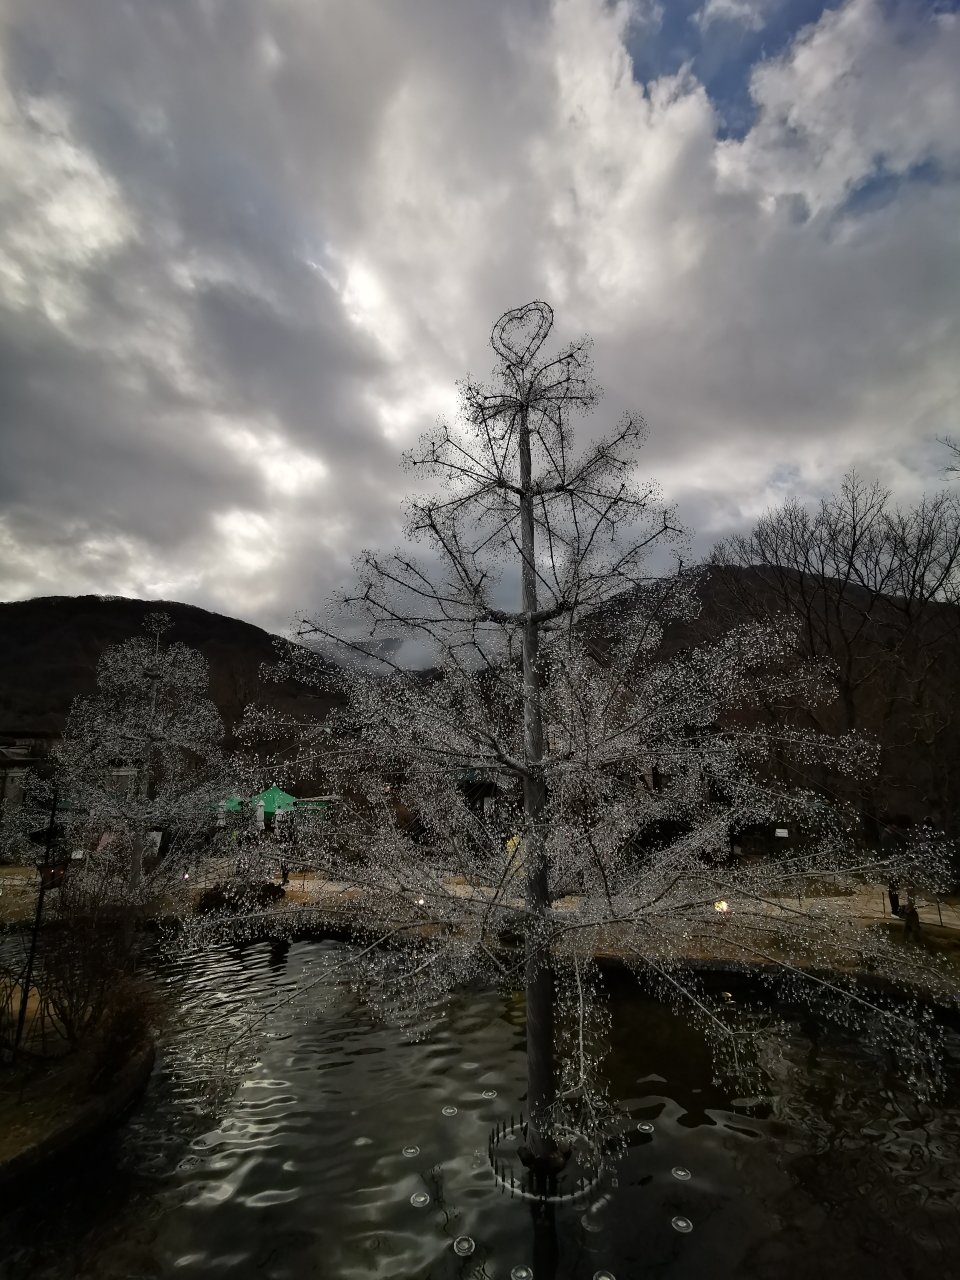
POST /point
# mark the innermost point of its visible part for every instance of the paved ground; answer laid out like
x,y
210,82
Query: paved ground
x,y
873,904
869,905
18,893
18,890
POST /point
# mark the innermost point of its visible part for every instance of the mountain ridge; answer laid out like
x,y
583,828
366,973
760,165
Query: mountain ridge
x,y
50,646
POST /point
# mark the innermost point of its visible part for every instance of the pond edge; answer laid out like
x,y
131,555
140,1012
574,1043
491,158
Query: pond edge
x,y
87,1119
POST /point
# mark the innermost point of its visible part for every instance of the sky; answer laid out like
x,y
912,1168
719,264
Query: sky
x,y
247,248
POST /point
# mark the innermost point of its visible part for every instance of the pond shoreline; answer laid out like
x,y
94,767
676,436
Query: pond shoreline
x,y
60,1112
48,1129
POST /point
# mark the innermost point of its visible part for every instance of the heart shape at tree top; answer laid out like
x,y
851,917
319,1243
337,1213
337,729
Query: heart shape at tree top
x,y
518,335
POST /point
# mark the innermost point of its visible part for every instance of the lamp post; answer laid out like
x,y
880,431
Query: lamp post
x,y
48,880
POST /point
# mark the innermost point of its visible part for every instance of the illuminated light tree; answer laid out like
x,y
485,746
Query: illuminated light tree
x,y
138,774
550,784
142,760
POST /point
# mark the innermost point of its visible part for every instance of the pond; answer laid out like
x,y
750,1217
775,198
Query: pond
x,y
349,1148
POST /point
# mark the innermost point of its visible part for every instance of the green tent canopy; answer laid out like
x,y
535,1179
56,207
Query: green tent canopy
x,y
273,799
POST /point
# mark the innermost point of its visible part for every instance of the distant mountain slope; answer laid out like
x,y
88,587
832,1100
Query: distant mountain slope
x,y
49,648
893,664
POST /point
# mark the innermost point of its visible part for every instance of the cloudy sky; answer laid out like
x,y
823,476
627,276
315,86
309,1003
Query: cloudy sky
x,y
248,246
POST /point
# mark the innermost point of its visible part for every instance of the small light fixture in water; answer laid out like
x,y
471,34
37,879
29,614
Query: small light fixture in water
x,y
449,1111
419,1199
604,1275
411,1151
681,1224
645,1126
521,1273
678,1171
721,905
463,1246
470,1066
362,1142
489,1093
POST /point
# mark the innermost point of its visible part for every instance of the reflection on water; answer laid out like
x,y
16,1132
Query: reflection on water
x,y
349,1149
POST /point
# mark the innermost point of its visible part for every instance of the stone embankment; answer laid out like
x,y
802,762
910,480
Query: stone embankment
x,y
53,1110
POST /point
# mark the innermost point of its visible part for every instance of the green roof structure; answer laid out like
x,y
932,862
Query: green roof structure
x,y
273,799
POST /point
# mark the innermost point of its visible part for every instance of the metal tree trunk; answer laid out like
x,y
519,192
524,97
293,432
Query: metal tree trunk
x,y
541,1073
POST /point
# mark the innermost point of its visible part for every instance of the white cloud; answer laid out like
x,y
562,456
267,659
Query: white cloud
x,y
78,559
60,212
862,91
751,14
285,470
623,175
749,338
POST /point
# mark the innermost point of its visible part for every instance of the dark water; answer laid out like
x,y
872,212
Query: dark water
x,y
299,1171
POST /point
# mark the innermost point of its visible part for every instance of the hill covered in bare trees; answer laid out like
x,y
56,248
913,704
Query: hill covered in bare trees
x,y
873,590
50,646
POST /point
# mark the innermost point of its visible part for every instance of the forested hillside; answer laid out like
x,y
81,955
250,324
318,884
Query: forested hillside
x,y
49,647
906,695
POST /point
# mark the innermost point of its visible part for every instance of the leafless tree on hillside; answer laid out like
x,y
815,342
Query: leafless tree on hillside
x,y
874,589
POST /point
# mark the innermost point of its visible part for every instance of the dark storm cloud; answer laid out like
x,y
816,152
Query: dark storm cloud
x,y
235,140
205,309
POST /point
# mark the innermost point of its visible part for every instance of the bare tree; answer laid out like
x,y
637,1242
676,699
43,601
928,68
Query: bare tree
x,y
874,589
953,448
550,786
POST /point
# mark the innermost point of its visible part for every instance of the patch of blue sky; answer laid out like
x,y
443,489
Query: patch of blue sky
x,y
721,41
883,186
